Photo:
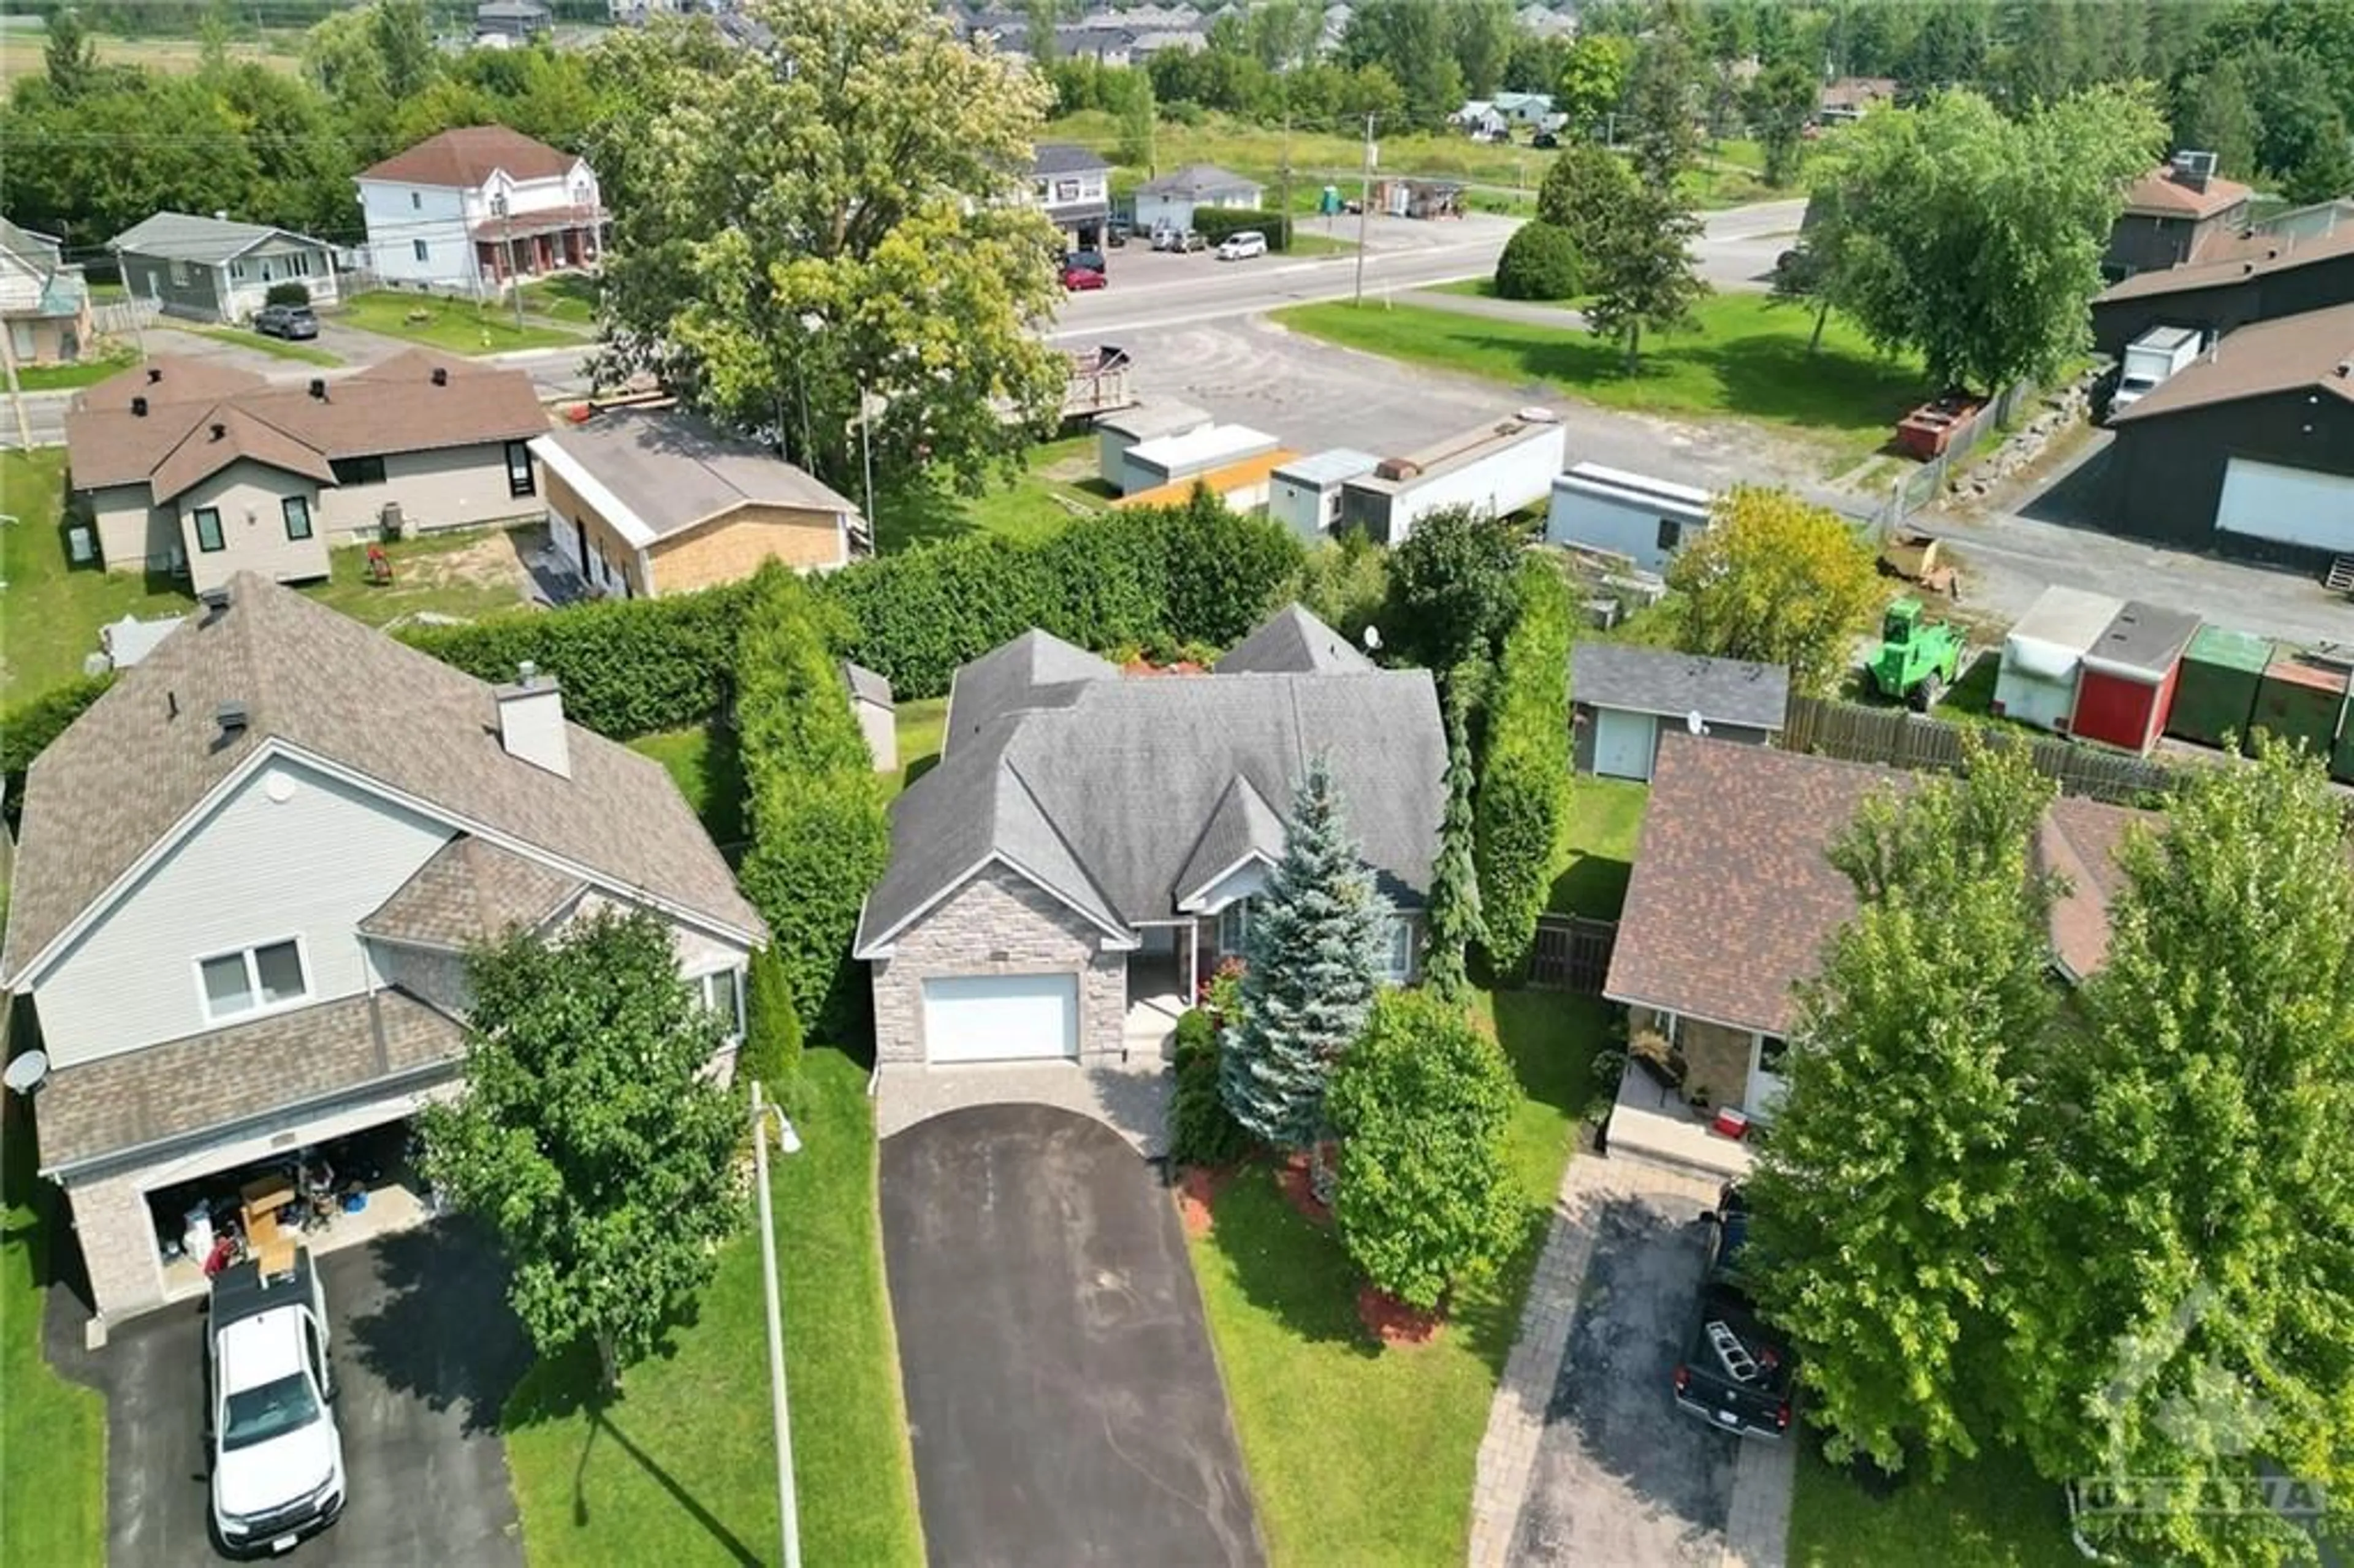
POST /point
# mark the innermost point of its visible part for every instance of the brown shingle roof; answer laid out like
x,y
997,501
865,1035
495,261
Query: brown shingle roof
x,y
2287,354
223,434
1732,897
208,1082
169,378
2158,195
129,769
2229,261
465,157
2078,840
471,892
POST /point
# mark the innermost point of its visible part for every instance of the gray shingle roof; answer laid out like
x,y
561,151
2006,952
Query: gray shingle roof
x,y
1066,158
866,684
1292,640
675,470
1197,181
1661,680
127,771
184,236
1244,824
471,892
1107,789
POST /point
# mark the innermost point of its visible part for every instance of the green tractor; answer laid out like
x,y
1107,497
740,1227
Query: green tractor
x,y
1917,659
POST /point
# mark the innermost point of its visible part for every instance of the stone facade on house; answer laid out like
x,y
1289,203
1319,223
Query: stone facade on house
x,y
999,923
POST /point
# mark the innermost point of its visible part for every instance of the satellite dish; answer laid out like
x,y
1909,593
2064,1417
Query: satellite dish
x,y
27,1072
1694,722
1372,639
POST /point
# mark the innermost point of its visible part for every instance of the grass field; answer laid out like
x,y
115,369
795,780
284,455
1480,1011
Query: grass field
x,y
20,52
1056,484
66,378
679,1469
458,326
1359,1454
922,725
1993,1514
566,297
1747,358
1605,818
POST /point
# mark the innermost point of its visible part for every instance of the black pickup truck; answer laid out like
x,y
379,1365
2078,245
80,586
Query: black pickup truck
x,y
1737,1373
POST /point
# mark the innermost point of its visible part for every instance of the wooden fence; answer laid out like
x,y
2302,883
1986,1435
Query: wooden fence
x,y
1572,953
1854,733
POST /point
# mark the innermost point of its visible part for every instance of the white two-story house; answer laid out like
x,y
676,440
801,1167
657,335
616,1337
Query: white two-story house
x,y
472,208
1074,187
249,877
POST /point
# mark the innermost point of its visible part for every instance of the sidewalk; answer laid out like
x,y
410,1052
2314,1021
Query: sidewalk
x,y
1531,312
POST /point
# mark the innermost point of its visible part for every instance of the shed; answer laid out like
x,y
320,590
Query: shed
x,y
1305,495
2301,697
1646,520
1115,433
2216,694
2129,677
2044,654
1165,460
877,715
1499,467
1626,697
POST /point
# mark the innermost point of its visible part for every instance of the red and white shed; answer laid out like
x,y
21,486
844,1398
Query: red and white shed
x,y
2127,685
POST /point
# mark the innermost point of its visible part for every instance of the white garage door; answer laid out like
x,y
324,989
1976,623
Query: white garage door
x,y
2293,505
1623,744
1000,1018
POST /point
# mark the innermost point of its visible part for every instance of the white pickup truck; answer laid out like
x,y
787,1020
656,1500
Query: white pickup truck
x,y
269,1426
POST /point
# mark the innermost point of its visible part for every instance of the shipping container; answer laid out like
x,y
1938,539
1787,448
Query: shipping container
x,y
1646,520
2044,654
1116,433
1306,497
2128,677
2217,693
2302,698
1499,468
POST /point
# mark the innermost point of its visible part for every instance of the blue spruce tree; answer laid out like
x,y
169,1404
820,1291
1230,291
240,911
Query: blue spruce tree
x,y
1314,958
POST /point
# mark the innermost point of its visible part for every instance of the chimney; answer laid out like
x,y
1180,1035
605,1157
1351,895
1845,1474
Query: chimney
x,y
441,375
231,716
531,721
319,388
139,407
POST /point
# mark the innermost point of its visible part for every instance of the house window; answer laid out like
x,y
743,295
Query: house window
x,y
296,510
1233,925
297,265
519,480
722,994
422,253
416,201
1771,1048
1398,966
1671,533
581,196
236,271
209,529
358,471
179,274
1067,190
499,203
253,979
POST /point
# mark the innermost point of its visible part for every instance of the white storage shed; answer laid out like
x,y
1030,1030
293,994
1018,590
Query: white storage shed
x,y
2044,654
1167,459
1499,468
1306,492
1118,432
1644,519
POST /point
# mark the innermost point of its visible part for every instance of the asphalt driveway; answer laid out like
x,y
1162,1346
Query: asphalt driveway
x,y
426,1351
1621,1476
1062,1399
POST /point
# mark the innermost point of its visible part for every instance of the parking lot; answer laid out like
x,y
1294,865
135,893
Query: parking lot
x,y
424,1352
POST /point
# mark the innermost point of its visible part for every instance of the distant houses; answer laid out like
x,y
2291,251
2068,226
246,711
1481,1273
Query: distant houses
x,y
216,270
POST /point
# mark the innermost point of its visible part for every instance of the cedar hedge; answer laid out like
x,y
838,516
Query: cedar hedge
x,y
1523,803
29,726
1214,223
771,1055
1541,261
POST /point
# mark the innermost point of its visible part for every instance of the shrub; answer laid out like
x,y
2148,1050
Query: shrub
x,y
26,729
771,1055
1422,1103
1524,796
1214,223
1541,261
289,292
1345,583
1201,1130
1452,591
628,667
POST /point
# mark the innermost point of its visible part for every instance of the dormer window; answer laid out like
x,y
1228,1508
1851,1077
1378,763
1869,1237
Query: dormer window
x,y
581,194
498,204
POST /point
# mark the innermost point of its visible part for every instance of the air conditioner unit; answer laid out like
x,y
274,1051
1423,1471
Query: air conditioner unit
x,y
388,520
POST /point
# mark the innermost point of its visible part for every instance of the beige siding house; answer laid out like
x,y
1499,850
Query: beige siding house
x,y
186,467
249,877
44,303
647,501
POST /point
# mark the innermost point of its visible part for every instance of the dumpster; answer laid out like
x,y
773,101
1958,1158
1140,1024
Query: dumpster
x,y
2217,691
2302,698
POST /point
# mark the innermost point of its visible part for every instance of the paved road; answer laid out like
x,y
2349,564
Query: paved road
x,y
426,1351
1062,1396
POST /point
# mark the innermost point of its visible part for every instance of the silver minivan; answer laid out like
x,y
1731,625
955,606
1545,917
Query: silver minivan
x,y
1242,245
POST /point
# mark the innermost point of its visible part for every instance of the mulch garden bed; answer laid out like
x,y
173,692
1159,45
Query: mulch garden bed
x,y
1392,1323
1198,1187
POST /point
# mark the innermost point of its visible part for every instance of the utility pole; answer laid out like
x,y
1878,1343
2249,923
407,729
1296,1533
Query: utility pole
x,y
1365,207
1283,175
514,283
788,1500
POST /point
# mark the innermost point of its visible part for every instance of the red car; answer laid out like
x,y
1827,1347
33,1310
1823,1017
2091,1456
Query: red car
x,y
1078,279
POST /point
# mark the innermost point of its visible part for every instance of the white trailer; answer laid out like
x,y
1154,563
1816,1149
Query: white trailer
x,y
1167,459
1117,432
1305,495
2044,654
2151,360
1499,468
1646,520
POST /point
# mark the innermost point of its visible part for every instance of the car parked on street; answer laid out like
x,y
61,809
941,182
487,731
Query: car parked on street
x,y
1736,1372
270,1439
1079,279
289,322
1088,257
1179,239
1241,245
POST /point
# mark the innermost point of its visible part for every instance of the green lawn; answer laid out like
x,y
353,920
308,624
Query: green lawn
x,y
566,297
1747,358
1057,483
705,764
1995,1513
52,1432
458,326
276,348
67,377
922,725
1605,816
1362,1455
680,1469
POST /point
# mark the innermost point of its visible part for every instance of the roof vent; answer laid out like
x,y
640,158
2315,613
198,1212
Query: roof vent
x,y
154,374
220,432
441,375
2345,369
139,407
216,603
319,388
232,719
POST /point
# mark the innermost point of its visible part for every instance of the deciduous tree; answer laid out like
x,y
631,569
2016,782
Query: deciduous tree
x,y
1641,275
1423,1105
1781,102
69,54
1451,585
1593,79
589,1137
1896,1169
1776,580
